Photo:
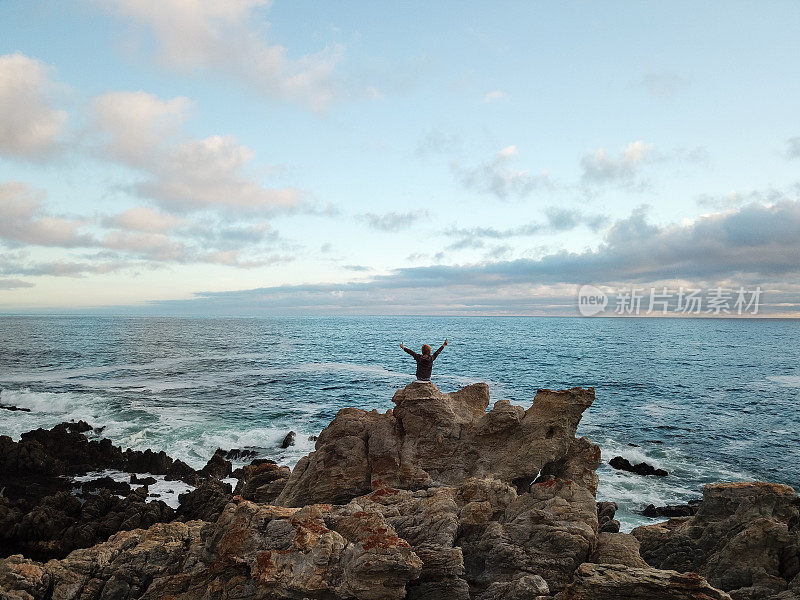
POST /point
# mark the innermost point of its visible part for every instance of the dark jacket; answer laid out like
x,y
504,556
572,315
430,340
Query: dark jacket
x,y
424,362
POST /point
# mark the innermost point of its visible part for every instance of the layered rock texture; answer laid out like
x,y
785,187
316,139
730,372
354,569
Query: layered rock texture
x,y
434,499
744,538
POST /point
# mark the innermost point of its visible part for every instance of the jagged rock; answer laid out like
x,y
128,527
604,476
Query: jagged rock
x,y
672,510
606,522
106,483
744,538
526,587
135,480
617,548
217,467
206,502
642,468
435,438
60,523
288,440
262,481
253,551
618,582
239,454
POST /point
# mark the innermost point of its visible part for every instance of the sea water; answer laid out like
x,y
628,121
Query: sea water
x,y
709,400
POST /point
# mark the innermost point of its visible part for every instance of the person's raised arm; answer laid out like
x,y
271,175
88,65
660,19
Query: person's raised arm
x,y
435,354
409,351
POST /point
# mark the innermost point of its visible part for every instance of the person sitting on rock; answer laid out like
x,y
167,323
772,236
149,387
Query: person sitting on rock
x,y
424,360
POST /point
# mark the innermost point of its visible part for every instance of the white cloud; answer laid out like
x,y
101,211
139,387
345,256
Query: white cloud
x,y
23,220
135,124
209,173
143,218
495,96
228,37
29,126
183,173
599,167
155,246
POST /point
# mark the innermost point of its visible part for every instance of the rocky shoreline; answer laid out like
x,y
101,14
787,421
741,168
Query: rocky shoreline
x,y
434,499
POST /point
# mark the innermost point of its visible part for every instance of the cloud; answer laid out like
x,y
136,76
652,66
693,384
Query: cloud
x,y
209,173
558,219
182,173
227,38
438,142
793,147
62,268
752,245
24,221
664,84
392,221
143,218
12,284
496,177
136,124
29,125
598,167
495,96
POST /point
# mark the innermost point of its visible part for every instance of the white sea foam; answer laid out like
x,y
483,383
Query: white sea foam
x,y
166,491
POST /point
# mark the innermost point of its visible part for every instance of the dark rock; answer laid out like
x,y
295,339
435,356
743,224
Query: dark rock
x,y
238,454
313,438
135,480
205,502
106,483
641,468
79,427
217,467
59,523
288,440
14,408
672,510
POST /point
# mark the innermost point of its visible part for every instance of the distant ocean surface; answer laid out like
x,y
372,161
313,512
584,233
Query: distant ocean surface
x,y
707,400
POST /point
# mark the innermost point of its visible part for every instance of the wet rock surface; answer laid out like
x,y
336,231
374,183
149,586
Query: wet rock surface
x,y
642,468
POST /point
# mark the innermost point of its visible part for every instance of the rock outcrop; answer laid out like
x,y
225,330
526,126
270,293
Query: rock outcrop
x,y
744,538
431,438
435,499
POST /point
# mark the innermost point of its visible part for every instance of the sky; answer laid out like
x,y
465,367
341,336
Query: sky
x,y
244,157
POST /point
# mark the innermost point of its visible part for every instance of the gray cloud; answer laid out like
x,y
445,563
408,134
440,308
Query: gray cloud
x,y
12,284
558,219
392,221
437,141
498,178
754,245
598,167
793,147
664,84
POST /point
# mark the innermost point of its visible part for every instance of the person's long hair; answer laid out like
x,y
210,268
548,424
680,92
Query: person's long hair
x,y
426,350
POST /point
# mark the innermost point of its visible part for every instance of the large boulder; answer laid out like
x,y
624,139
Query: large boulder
x,y
431,438
619,582
744,538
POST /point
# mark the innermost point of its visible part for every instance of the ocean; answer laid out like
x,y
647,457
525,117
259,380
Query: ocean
x,y
709,400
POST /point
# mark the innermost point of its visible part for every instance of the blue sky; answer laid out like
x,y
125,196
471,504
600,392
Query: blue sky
x,y
246,157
